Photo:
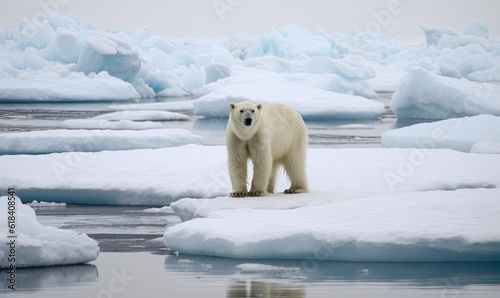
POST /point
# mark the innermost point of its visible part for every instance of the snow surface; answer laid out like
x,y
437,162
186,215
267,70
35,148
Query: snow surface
x,y
426,95
262,86
81,140
456,225
47,85
486,148
365,204
458,133
38,245
143,115
107,124
161,176
168,106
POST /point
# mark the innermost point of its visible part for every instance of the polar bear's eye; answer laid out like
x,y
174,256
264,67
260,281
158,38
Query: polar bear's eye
x,y
253,111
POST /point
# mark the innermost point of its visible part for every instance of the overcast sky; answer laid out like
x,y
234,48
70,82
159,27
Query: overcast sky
x,y
177,18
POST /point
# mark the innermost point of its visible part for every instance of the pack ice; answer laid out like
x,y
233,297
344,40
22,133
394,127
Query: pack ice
x,y
69,61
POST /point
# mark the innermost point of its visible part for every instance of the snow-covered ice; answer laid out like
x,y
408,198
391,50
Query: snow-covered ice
x,y
458,225
486,148
82,140
388,204
256,268
457,133
263,86
144,115
161,176
67,60
108,124
38,245
42,204
48,85
426,95
469,54
165,209
167,106
365,204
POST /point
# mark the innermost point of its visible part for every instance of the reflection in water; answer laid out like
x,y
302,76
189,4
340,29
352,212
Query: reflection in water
x,y
48,277
459,274
247,289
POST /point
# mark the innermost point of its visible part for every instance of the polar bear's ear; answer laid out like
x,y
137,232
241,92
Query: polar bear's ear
x,y
231,106
259,107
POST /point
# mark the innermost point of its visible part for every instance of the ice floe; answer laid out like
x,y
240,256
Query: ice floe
x,y
457,133
83,140
37,245
108,124
161,176
428,226
143,115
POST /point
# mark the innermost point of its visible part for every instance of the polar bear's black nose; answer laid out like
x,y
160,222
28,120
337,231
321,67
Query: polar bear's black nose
x,y
248,121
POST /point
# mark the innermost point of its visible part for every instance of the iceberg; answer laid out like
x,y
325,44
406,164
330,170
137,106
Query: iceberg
x,y
82,140
153,66
143,65
445,37
106,53
263,86
460,134
471,54
38,245
426,95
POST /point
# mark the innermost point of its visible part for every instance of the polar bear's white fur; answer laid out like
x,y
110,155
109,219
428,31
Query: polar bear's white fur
x,y
270,135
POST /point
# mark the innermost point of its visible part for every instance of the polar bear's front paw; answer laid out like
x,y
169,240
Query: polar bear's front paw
x,y
256,193
293,190
238,194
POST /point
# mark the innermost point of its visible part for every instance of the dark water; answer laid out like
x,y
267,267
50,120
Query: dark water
x,y
134,262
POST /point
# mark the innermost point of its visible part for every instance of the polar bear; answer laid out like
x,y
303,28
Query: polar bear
x,y
270,135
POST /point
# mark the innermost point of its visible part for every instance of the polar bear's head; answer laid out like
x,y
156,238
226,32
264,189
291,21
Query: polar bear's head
x,y
244,114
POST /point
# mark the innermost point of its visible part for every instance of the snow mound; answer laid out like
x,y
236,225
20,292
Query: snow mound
x,y
426,95
144,115
434,226
50,141
107,124
263,86
458,133
38,245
